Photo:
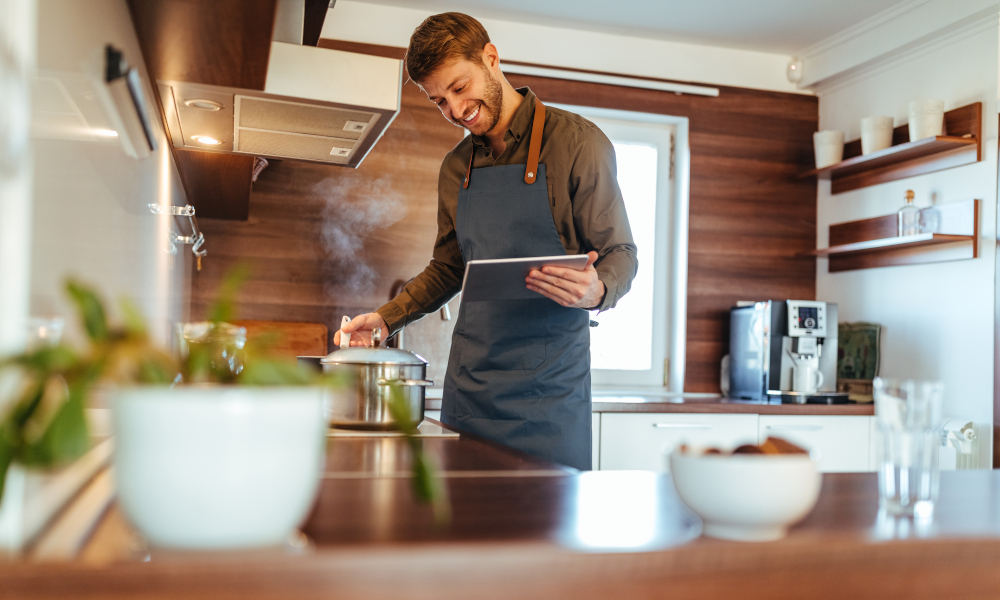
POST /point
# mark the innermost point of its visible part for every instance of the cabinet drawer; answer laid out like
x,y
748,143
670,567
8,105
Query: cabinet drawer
x,y
841,443
640,441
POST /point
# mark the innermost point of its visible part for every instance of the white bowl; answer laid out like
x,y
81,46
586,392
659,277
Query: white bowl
x,y
752,498
218,467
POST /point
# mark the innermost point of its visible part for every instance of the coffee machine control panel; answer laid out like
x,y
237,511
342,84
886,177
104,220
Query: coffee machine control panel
x,y
806,318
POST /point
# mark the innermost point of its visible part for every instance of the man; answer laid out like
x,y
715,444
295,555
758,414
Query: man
x,y
529,181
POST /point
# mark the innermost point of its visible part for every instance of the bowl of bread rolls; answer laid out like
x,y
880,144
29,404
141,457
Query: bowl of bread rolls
x,y
752,493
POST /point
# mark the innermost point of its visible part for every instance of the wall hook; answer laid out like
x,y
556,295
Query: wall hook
x,y
196,239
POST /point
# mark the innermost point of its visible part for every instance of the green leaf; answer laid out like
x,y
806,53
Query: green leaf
x,y
91,310
198,365
6,457
223,309
154,372
26,406
66,438
273,371
427,485
401,412
47,358
135,323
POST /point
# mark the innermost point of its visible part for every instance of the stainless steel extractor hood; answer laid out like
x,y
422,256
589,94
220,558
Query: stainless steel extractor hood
x,y
318,105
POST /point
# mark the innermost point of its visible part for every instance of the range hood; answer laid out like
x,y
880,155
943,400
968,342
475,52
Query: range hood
x,y
318,105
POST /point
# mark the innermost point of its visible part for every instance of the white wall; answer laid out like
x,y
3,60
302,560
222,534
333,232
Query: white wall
x,y
392,26
91,218
17,42
83,212
938,318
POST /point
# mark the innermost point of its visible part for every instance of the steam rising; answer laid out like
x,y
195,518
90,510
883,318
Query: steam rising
x,y
355,207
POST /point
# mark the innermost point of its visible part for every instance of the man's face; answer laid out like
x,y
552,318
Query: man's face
x,y
467,94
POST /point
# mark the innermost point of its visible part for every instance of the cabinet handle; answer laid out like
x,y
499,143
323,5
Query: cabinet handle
x,y
795,427
682,425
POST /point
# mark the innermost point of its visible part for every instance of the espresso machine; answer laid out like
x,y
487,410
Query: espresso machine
x,y
784,351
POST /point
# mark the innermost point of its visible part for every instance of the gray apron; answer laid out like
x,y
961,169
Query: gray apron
x,y
519,370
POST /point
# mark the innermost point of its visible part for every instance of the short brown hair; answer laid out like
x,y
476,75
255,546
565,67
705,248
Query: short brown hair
x,y
442,38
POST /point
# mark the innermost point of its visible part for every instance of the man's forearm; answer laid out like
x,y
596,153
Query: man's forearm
x,y
616,270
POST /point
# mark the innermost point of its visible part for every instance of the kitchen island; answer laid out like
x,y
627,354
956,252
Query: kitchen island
x,y
523,528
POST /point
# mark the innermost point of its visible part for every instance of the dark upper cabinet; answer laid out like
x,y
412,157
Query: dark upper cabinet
x,y
212,42
236,79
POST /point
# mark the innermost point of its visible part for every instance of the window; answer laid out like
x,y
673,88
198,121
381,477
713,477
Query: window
x,y
639,343
618,343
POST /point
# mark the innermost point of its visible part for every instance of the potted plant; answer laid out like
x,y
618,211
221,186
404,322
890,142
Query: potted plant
x,y
212,450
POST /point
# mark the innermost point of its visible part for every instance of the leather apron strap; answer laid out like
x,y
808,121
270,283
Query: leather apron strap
x,y
534,148
535,145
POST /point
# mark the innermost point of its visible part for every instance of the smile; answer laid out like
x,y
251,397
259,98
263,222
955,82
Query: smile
x,y
471,117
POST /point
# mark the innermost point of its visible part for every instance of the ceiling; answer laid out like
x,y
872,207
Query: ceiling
x,y
780,26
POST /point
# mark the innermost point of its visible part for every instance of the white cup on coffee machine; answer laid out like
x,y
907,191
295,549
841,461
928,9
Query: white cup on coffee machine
x,y
806,378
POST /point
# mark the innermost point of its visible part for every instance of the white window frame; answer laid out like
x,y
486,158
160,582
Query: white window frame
x,y
670,288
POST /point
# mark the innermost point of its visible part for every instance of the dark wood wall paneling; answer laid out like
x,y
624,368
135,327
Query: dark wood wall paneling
x,y
996,335
749,216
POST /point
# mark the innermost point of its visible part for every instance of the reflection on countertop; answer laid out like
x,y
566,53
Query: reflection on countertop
x,y
661,401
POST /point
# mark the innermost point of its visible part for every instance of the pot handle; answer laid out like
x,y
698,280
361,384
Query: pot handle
x,y
405,382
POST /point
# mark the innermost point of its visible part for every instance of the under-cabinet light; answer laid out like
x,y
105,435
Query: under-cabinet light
x,y
203,104
204,139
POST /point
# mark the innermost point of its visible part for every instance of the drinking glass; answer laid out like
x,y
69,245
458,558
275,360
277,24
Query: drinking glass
x,y
222,342
907,413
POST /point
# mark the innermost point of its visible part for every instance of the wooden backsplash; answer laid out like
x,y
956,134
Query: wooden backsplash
x,y
326,241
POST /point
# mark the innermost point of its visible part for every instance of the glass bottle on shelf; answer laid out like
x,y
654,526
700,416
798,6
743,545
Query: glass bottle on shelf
x,y
908,217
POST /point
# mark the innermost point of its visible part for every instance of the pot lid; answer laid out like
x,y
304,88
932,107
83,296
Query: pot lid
x,y
372,356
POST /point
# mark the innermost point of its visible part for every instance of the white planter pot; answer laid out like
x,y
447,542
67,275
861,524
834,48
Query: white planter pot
x,y
926,119
12,509
829,147
876,134
218,467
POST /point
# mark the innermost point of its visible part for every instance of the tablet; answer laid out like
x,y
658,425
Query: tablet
x,y
503,278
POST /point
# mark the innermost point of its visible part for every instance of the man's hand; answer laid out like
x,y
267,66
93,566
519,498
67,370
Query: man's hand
x,y
569,287
360,329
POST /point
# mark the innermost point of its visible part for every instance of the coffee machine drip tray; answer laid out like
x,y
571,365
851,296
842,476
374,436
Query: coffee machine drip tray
x,y
804,398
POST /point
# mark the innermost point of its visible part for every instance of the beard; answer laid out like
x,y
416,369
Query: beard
x,y
492,103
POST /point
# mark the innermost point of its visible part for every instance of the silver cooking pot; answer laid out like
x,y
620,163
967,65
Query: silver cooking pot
x,y
373,374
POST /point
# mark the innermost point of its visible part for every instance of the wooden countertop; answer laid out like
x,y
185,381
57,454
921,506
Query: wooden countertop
x,y
523,528
640,403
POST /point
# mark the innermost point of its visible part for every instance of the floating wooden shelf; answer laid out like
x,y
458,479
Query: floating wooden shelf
x,y
907,159
871,243
910,241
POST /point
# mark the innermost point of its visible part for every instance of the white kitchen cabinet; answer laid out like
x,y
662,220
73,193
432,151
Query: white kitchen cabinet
x,y
841,443
872,444
432,414
641,440
596,443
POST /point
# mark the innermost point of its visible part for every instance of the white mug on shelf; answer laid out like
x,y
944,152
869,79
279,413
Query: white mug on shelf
x,y
876,134
829,147
926,119
806,378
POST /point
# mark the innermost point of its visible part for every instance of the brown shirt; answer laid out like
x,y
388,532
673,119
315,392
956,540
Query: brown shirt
x,y
586,204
